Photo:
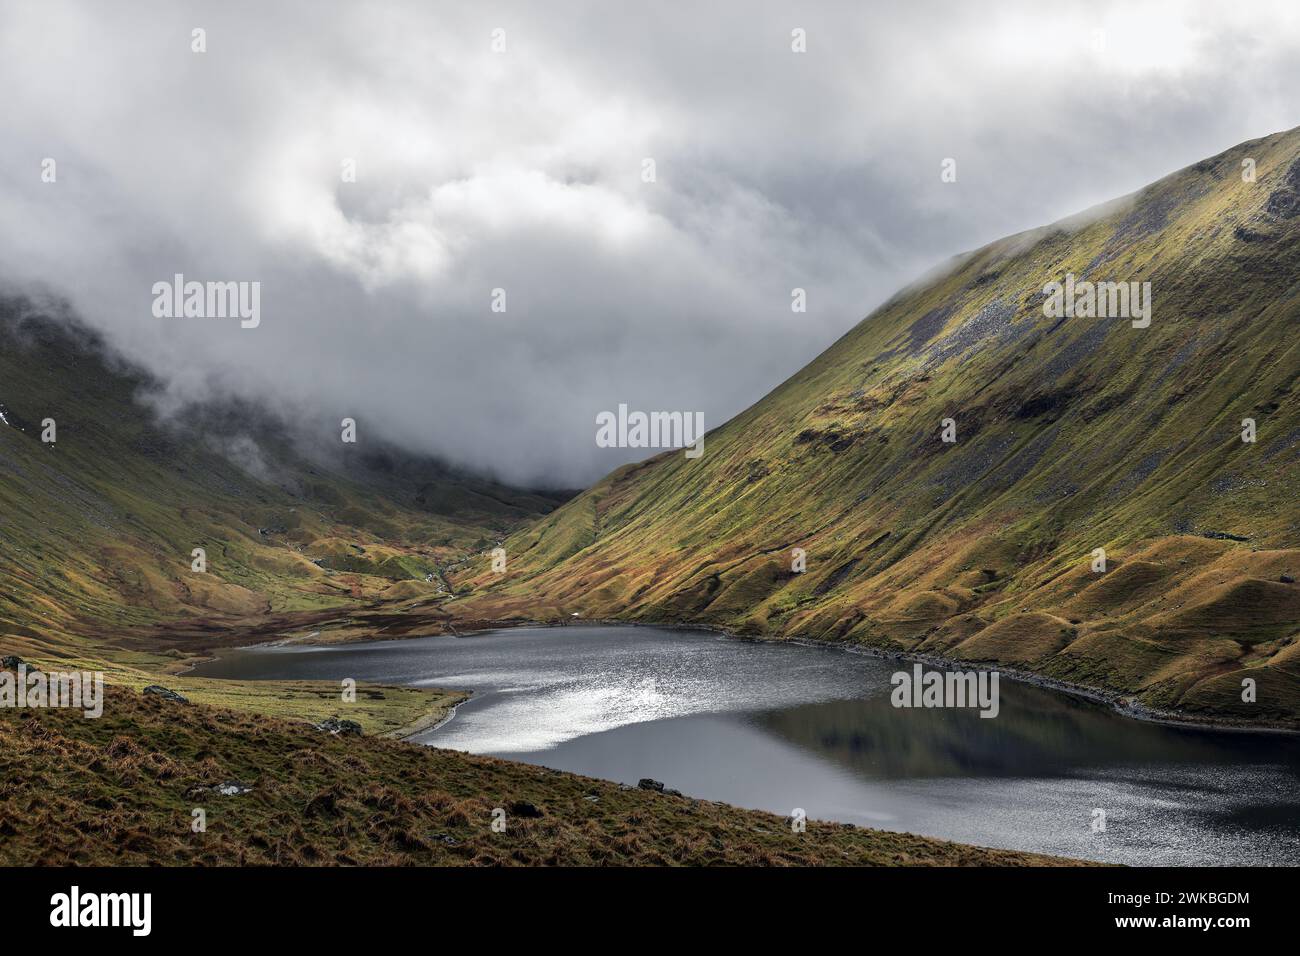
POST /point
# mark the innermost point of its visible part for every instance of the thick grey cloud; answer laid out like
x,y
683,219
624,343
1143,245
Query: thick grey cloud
x,y
522,170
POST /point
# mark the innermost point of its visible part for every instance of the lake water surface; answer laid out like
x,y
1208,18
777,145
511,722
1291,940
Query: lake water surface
x,y
780,726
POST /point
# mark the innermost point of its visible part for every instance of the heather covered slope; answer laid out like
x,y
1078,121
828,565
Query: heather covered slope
x,y
1072,434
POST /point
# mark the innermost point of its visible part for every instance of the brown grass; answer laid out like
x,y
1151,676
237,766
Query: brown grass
x,y
121,790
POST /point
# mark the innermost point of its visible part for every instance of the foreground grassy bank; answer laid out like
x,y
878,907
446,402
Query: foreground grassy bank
x,y
123,789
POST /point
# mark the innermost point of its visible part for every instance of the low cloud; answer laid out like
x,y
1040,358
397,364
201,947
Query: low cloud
x,y
523,170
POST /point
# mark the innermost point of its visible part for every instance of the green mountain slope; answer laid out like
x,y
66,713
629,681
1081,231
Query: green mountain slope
x,y
1072,434
97,528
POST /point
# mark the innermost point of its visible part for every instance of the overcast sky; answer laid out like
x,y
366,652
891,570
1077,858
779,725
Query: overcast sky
x,y
523,170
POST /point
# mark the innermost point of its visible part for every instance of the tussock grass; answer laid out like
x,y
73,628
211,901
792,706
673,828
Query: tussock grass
x,y
121,790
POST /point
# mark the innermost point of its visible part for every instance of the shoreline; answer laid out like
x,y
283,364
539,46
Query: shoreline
x,y
1115,700
429,722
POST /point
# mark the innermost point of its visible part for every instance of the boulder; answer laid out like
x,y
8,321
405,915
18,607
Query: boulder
x,y
645,783
343,728
158,690
226,788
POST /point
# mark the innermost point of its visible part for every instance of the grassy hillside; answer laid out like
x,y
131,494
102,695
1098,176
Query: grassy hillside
x,y
122,790
1072,434
98,527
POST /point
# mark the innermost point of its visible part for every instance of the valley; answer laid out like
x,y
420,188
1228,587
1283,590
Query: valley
x,y
935,486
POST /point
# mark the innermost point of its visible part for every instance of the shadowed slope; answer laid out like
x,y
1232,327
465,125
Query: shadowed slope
x,y
97,528
127,496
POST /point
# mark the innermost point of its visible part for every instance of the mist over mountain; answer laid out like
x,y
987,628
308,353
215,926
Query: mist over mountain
x,y
523,170
103,503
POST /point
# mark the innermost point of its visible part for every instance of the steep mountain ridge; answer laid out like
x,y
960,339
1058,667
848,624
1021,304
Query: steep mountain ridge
x,y
1073,433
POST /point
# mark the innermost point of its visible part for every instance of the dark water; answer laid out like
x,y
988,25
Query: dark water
x,y
776,727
